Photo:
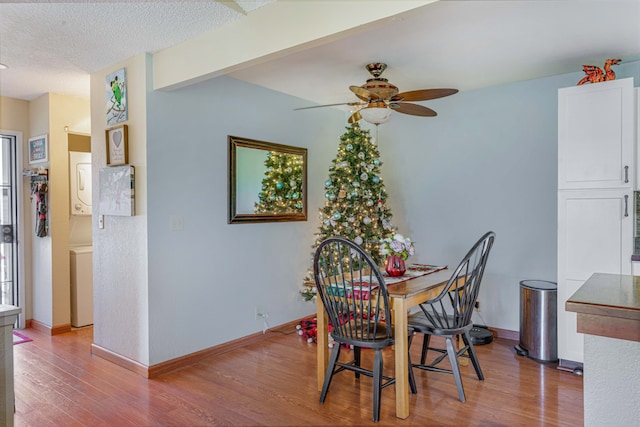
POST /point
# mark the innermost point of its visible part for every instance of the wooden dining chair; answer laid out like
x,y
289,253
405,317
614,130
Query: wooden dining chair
x,y
449,314
355,297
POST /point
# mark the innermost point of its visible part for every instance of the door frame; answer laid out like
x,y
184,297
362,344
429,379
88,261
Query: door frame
x,y
21,237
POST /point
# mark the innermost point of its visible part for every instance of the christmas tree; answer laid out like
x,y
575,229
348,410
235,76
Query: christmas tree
x,y
355,205
282,184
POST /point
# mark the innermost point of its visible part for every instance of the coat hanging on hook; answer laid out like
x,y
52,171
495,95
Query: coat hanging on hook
x,y
40,189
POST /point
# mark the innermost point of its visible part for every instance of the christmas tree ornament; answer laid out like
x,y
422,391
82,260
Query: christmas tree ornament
x,y
342,193
358,240
375,179
356,184
328,183
336,215
293,184
376,162
369,202
366,220
364,176
279,185
349,147
361,155
288,170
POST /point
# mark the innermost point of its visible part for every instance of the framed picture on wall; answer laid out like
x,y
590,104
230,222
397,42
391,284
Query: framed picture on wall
x,y
117,191
38,149
117,145
116,97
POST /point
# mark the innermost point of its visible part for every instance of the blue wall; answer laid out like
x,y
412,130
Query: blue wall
x,y
208,278
488,161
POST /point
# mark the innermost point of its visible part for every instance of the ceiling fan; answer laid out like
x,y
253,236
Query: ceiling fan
x,y
378,98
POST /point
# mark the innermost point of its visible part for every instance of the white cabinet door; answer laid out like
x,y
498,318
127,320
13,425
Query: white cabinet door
x,y
596,135
595,229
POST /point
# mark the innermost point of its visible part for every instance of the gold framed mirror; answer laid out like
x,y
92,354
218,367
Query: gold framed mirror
x,y
267,181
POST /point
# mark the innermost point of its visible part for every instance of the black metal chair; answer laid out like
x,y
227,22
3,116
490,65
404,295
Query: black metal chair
x,y
449,314
355,297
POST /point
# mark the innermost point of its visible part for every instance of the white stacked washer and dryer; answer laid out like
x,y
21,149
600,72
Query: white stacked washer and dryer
x,y
81,255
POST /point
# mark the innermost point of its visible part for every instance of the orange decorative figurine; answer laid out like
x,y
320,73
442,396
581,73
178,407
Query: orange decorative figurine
x,y
595,74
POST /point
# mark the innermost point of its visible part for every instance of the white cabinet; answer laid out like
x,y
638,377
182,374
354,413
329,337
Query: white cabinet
x,y
595,230
596,178
596,135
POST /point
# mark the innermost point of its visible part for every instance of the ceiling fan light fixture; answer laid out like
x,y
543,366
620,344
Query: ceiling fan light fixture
x,y
375,114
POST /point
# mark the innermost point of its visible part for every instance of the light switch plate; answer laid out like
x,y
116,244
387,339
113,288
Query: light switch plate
x,y
177,222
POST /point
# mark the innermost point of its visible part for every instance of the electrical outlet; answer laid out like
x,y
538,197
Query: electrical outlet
x,y
477,305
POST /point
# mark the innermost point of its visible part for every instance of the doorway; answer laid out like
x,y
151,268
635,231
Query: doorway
x,y
11,286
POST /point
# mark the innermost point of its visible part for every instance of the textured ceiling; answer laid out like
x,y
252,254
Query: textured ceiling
x,y
53,46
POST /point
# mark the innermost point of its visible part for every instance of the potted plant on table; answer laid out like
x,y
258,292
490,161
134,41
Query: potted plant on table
x,y
396,249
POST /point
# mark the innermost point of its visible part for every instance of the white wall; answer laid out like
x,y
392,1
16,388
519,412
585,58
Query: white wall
x,y
120,273
206,280
611,381
41,268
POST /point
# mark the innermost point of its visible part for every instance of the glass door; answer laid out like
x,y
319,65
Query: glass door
x,y
8,222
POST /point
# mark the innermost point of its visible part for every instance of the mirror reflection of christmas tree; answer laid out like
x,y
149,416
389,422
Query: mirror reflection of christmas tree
x,y
355,198
282,184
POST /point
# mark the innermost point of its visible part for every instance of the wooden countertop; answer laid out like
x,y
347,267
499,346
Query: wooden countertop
x,y
608,305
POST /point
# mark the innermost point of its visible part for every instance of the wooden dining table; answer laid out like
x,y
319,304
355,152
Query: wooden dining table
x,y
403,296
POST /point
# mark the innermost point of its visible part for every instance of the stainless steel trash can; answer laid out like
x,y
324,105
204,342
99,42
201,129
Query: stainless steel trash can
x,y
538,320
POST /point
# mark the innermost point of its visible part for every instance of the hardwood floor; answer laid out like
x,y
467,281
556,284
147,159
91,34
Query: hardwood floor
x,y
272,383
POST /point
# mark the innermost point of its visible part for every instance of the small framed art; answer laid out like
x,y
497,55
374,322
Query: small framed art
x,y
117,191
38,149
116,97
117,145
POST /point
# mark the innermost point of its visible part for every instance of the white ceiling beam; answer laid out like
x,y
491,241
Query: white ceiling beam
x,y
269,32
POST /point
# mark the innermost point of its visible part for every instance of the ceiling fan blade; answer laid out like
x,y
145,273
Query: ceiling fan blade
x,y
329,105
413,109
363,93
423,94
